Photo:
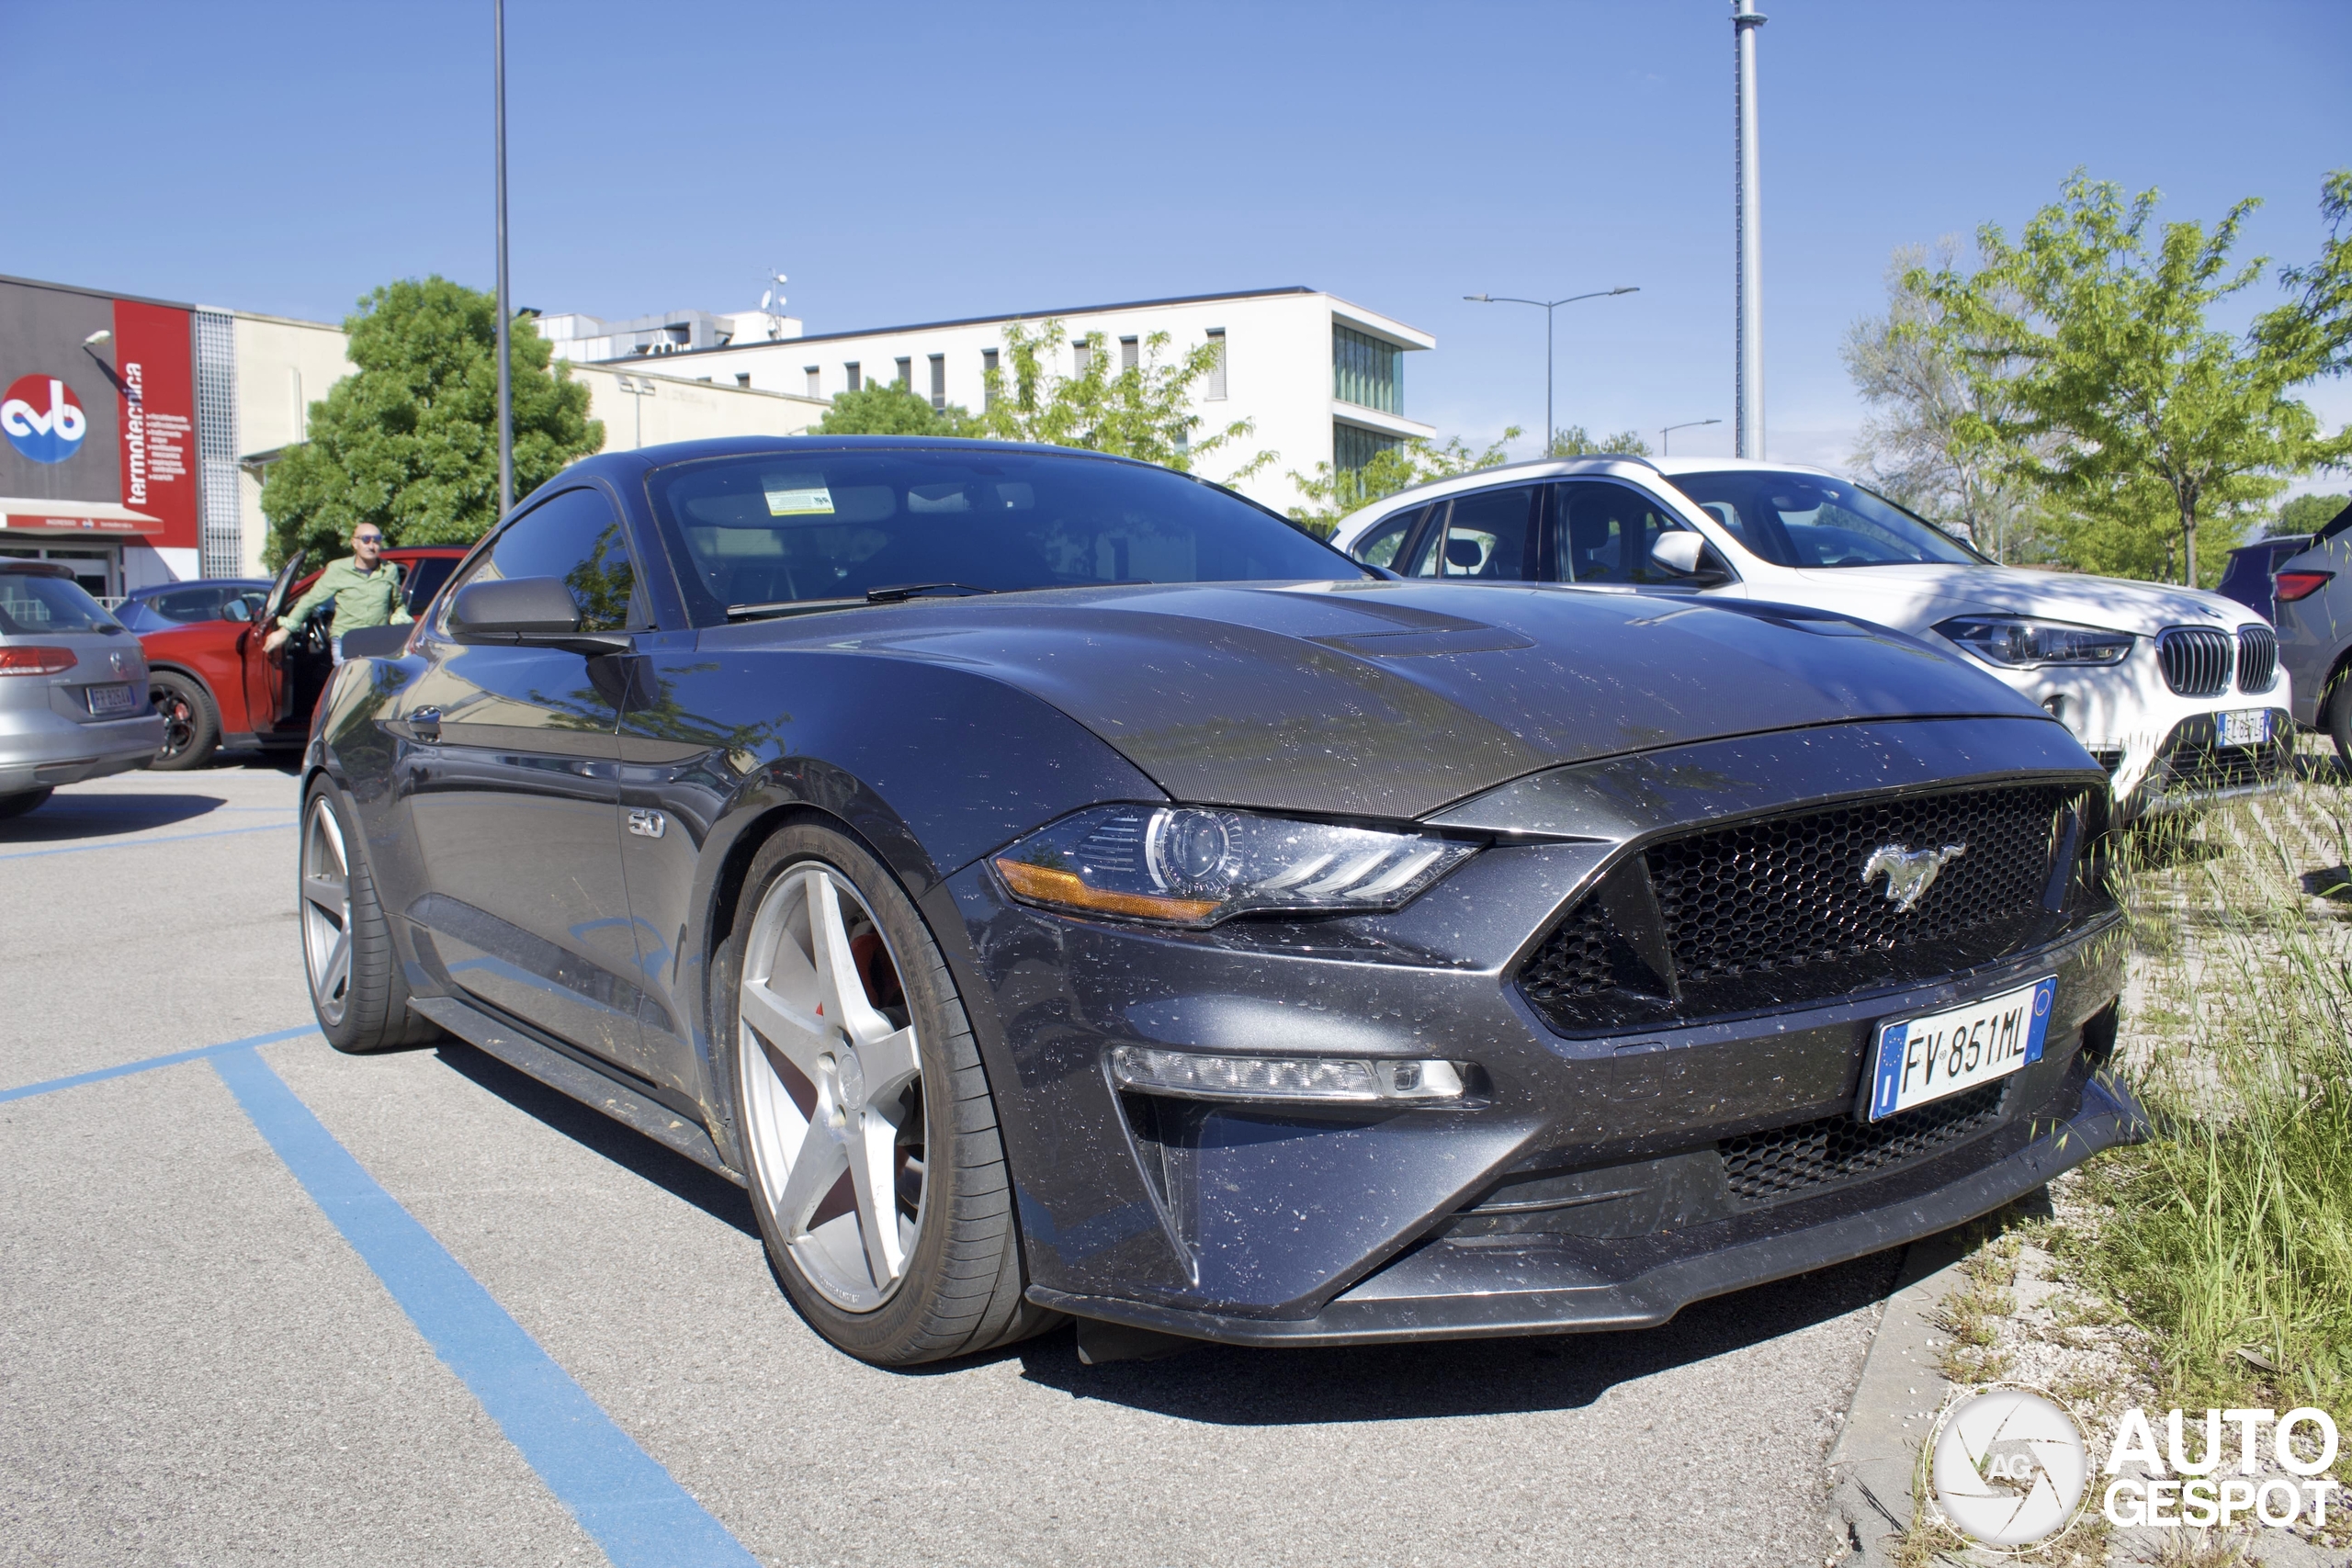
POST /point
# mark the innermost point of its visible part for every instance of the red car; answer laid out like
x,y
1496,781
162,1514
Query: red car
x,y
215,686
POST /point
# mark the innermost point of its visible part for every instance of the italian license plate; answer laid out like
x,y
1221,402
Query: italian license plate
x,y
2248,727
117,697
1924,1059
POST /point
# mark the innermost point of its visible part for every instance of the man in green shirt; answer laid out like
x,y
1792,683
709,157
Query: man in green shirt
x,y
365,590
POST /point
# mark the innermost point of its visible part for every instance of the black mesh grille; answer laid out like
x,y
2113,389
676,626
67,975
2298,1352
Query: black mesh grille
x,y
1779,910
1760,1166
2257,658
1787,893
2195,659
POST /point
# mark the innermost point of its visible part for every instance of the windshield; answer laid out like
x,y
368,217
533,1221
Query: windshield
x,y
823,526
39,606
1805,520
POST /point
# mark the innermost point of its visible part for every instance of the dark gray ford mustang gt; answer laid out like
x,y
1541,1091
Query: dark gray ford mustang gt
x,y
1053,885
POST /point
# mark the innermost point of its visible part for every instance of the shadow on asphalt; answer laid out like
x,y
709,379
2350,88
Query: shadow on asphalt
x,y
634,1152
1234,1387
87,814
1226,1385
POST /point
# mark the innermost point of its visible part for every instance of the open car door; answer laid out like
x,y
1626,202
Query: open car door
x,y
266,686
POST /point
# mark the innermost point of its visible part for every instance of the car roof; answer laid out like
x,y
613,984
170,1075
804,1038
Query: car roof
x,y
1621,465
154,588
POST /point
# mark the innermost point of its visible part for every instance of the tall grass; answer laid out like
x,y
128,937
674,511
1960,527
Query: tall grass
x,y
2231,1234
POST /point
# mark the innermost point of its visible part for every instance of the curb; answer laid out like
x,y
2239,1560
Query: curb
x,y
1896,1398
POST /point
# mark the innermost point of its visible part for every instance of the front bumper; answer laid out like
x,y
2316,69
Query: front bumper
x,y
1454,1290
2192,769
1265,1226
39,749
2138,727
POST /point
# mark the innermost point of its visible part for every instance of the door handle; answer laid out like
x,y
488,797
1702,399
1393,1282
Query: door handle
x,y
426,723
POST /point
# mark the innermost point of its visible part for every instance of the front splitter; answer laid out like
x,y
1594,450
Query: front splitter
x,y
1379,1311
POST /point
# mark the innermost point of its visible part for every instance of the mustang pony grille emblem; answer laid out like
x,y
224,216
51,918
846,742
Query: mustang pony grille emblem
x,y
1909,872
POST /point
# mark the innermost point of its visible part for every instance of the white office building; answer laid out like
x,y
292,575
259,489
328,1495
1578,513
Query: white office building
x,y
1320,380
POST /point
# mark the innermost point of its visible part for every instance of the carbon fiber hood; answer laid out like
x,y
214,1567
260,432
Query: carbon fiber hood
x,y
1396,699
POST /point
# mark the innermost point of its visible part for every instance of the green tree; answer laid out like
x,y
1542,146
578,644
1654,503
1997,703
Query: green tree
x,y
2309,513
1330,494
892,411
1144,410
2317,325
409,441
1574,441
1913,446
2104,386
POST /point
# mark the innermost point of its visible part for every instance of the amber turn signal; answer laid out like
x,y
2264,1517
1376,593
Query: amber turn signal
x,y
1047,886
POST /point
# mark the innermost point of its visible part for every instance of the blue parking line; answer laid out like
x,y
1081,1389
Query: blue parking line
x,y
637,1514
100,1074
137,843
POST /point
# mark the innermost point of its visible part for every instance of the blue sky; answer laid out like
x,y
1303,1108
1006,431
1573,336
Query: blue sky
x,y
914,161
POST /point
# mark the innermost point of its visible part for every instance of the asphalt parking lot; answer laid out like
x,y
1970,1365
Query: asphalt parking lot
x,y
216,1297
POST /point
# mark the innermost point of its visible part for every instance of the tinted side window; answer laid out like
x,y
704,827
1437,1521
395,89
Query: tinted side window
x,y
425,580
187,604
1381,542
1606,532
576,537
1488,536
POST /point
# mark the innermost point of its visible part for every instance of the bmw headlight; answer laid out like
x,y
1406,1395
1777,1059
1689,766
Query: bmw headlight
x,y
2020,642
1195,865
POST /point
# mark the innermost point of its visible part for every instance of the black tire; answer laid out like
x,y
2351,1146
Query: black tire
x,y
961,1289
23,801
2336,699
191,724
360,1001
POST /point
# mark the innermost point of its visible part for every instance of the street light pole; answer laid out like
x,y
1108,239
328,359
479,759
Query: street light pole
x,y
1748,400
1666,448
505,368
1547,307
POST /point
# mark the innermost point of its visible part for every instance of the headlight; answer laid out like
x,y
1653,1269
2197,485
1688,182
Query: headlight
x,y
1194,866
2020,642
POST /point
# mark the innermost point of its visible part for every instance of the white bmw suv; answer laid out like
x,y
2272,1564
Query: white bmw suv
x,y
2178,692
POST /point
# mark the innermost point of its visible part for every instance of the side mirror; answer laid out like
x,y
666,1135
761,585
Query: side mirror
x,y
237,610
534,611
378,642
1685,554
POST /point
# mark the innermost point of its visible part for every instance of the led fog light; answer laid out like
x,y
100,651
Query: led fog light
x,y
1321,1078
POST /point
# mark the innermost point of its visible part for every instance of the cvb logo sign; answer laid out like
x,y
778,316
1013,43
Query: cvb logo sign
x,y
43,418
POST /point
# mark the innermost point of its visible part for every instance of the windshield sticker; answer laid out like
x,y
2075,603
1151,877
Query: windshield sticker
x,y
812,502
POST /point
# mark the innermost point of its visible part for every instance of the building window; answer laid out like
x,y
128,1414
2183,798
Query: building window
x,y
939,380
856,382
987,377
1128,353
906,375
1353,446
1366,371
814,391
1216,367
742,378
1082,354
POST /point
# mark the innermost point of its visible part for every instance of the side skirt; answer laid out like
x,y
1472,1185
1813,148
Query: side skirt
x,y
584,1083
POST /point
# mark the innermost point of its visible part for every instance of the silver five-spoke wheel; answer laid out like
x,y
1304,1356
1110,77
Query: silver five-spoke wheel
x,y
831,1087
327,911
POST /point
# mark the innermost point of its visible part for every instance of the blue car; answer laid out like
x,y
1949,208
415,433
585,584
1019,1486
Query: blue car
x,y
182,604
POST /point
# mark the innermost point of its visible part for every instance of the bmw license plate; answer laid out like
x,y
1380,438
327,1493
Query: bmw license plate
x,y
1923,1059
2248,727
117,697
